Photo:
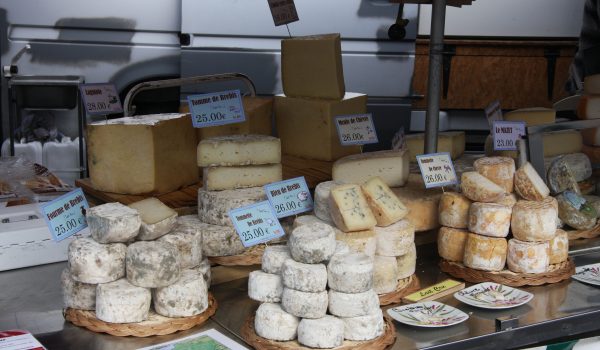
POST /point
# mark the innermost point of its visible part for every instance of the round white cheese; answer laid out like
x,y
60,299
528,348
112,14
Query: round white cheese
x,y
451,243
265,287
152,264
188,243
321,205
93,263
489,219
534,221
311,219
454,210
221,241
396,239
322,333
350,273
113,223
500,170
485,253
304,277
204,269
273,257
184,298
527,257
312,243
559,247
77,295
272,322
385,274
353,304
304,304
407,263
122,302
364,327
214,206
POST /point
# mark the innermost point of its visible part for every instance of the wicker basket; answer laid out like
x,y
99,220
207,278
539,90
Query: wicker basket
x,y
405,287
584,234
251,256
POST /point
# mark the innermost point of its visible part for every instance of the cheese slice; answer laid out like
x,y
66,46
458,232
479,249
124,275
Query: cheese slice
x,y
235,177
529,184
479,188
532,116
500,170
452,142
451,243
454,210
588,107
391,166
559,247
485,253
157,218
534,220
239,150
527,257
489,219
386,207
591,84
349,209
311,66
422,203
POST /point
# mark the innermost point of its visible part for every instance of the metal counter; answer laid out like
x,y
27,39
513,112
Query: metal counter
x,y
31,299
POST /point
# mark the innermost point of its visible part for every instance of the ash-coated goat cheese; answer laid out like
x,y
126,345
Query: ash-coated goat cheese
x,y
323,333
385,274
265,287
489,219
273,257
407,263
384,204
509,200
500,170
349,209
479,188
157,218
113,223
238,150
451,243
204,269
152,264
534,221
122,302
77,295
365,327
272,322
396,239
221,241
527,257
188,243
360,241
184,298
560,178
304,304
321,205
92,262
312,243
304,277
559,247
352,304
485,253
214,206
350,273
454,210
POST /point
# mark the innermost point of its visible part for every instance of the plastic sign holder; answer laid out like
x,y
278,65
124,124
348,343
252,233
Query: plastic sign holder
x,y
356,129
65,215
289,197
437,169
256,223
101,99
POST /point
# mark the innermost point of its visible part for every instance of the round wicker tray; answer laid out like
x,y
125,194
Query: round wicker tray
x,y
251,256
154,325
584,234
384,341
555,274
405,287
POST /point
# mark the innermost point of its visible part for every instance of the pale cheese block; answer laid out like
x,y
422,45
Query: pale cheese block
x,y
272,322
500,170
307,126
311,66
485,253
350,273
508,200
204,269
362,328
321,200
81,296
323,333
391,166
122,302
152,264
489,219
265,287
591,84
349,209
234,177
407,263
113,223
452,142
221,241
578,163
157,218
304,304
304,277
142,154
588,107
422,203
93,263
591,137
527,257
385,274
479,188
559,247
214,206
273,257
312,243
236,150
529,185
531,116
396,239
554,142
359,241
185,298
534,221
575,211
451,243
188,244
384,204
353,304
454,210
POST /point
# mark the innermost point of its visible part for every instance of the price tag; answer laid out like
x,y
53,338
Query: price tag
x,y
289,197
437,169
65,215
506,134
19,340
217,108
399,140
283,11
356,129
256,223
493,113
101,99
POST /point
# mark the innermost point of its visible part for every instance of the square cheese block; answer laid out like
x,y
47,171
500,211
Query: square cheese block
x,y
349,209
142,154
589,107
234,177
239,150
307,126
157,218
311,66
452,142
387,208
532,116
391,166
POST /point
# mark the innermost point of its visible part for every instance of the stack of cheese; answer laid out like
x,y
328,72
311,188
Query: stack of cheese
x,y
314,94
137,255
477,223
292,288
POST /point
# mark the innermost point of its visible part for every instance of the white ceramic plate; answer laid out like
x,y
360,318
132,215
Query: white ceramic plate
x,y
588,274
428,314
489,295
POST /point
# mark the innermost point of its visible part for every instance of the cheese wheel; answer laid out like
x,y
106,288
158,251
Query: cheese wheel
x,y
304,304
157,218
422,204
485,253
385,274
322,333
188,244
221,241
361,328
304,277
407,263
479,188
214,206
353,304
272,322
489,219
384,204
559,247
575,211
560,178
204,269
265,287
341,248
396,239
321,205
273,257
113,223
93,263
152,264
508,200
350,273
312,243
534,221
360,241
81,296
500,170
451,243
578,163
235,150
349,209
185,298
122,302
527,257
311,219
454,210
529,184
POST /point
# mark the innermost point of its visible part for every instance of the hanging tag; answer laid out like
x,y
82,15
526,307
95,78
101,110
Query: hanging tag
x,y
217,108
493,113
101,99
283,11
437,169
289,197
256,223
65,215
506,135
399,141
356,129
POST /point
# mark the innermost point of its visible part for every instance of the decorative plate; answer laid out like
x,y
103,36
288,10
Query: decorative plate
x,y
588,274
489,295
428,314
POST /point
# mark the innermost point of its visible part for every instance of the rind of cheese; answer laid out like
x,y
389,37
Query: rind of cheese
x,y
454,210
265,287
479,188
221,241
326,332
311,219
588,107
312,243
527,257
122,302
422,204
559,247
214,206
152,264
396,239
391,166
529,185
384,204
113,223
385,274
574,211
489,219
578,163
188,244
235,177
304,304
485,253
508,200
321,205
362,328
157,218
451,243
560,178
273,258
350,273
532,116
349,209
359,241
81,296
534,221
304,277
93,263
353,304
236,150
407,263
185,298
204,269
500,170
452,142
272,322
591,84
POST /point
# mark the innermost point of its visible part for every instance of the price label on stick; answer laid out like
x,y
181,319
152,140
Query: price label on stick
x,y
100,99
289,197
493,113
437,169
506,134
65,216
356,129
256,223
283,11
217,108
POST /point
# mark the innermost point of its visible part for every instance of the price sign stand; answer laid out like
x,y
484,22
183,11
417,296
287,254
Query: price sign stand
x,y
217,108
356,129
493,113
283,12
256,223
65,215
101,99
506,135
437,169
289,197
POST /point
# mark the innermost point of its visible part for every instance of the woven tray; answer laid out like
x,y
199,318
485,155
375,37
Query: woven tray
x,y
251,256
154,325
405,287
555,274
584,234
259,343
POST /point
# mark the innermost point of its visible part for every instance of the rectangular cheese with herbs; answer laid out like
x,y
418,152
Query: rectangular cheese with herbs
x,y
234,177
235,150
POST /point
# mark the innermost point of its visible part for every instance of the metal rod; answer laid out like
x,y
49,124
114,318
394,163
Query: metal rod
x,y
436,47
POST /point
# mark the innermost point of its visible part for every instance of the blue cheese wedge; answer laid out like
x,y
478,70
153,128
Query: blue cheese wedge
x,y
384,204
349,209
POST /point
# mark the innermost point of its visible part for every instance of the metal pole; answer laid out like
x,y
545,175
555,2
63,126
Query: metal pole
x,y
436,48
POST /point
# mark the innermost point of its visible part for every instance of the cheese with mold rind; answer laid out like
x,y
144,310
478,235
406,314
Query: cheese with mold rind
x,y
454,210
527,257
122,302
485,253
185,298
272,322
113,223
92,262
152,264
349,209
384,204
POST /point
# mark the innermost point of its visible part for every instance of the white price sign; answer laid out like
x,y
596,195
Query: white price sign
x,y
493,113
283,11
506,134
356,129
437,169
101,99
